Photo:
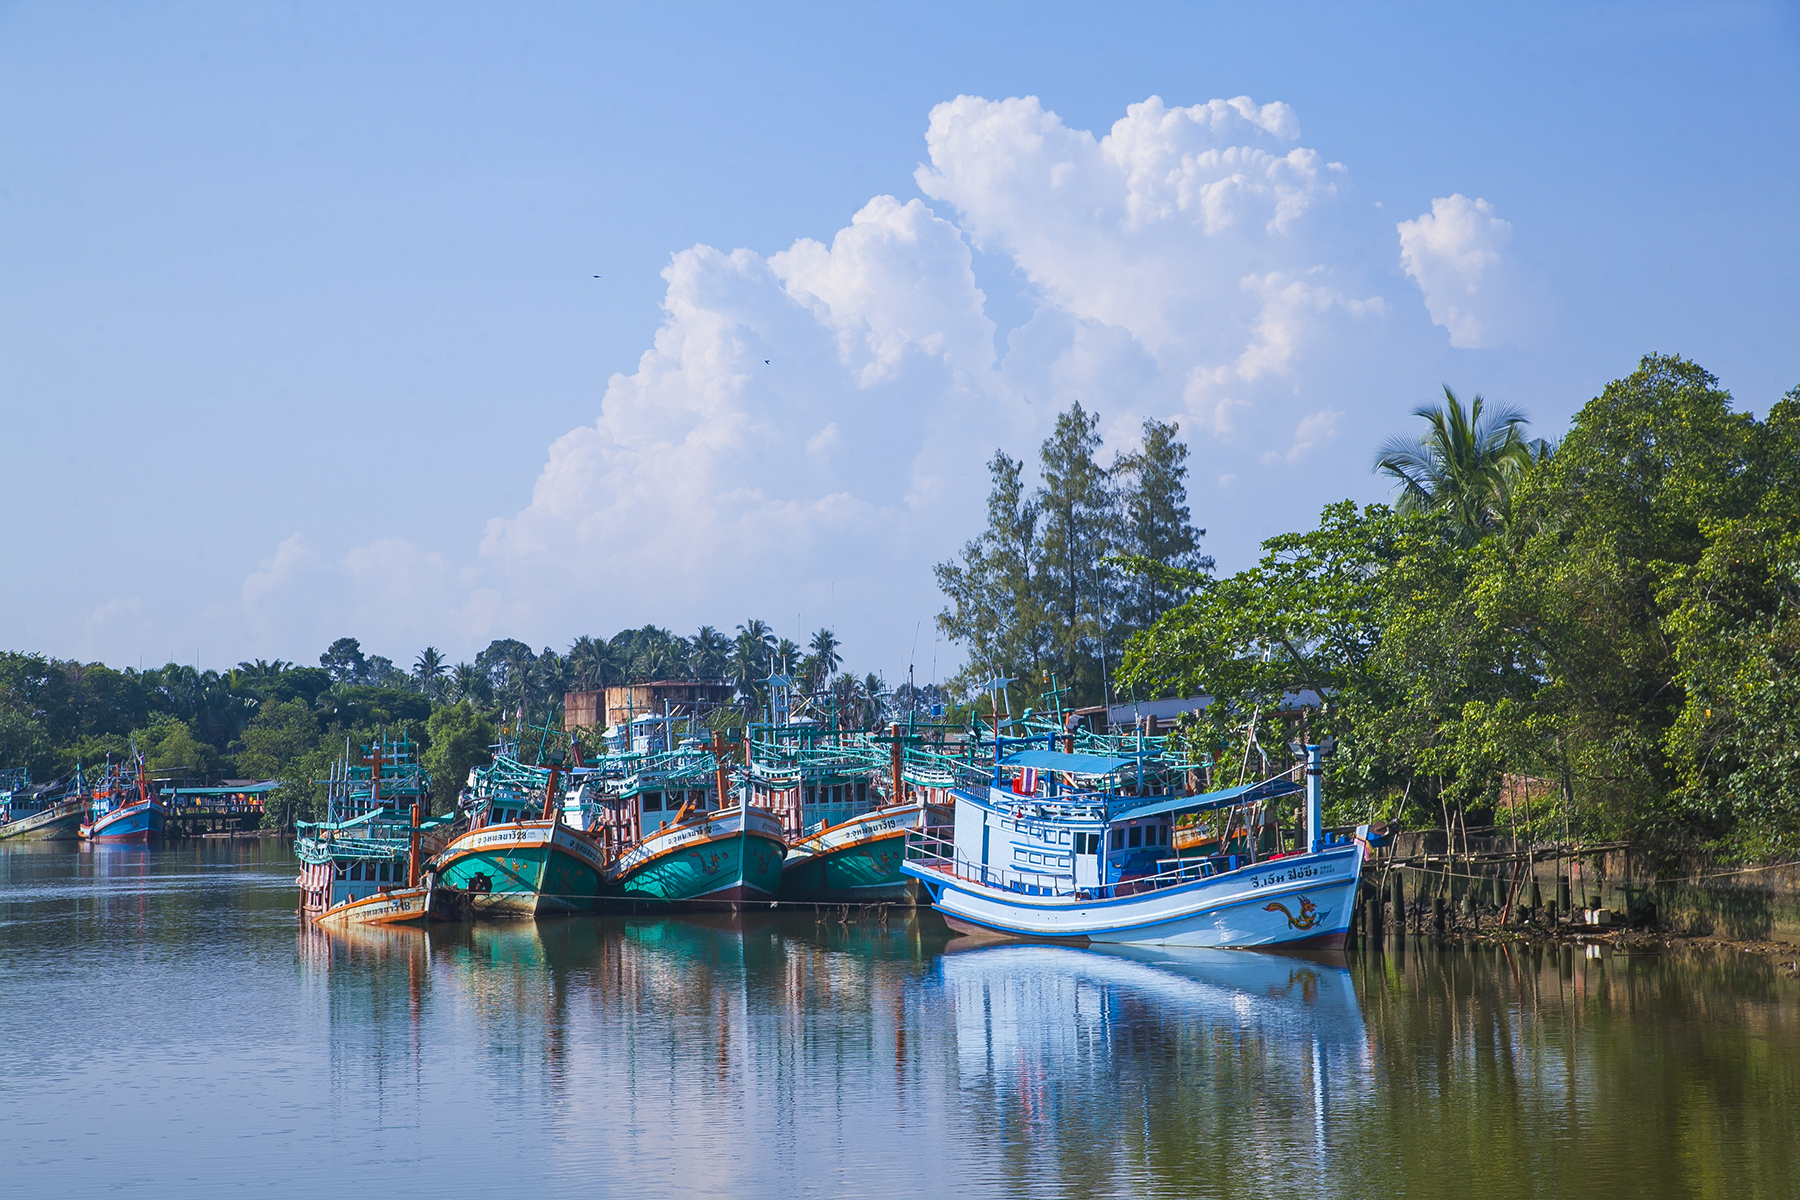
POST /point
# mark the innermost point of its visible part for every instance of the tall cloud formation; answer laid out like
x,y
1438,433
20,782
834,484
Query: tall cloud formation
x,y
1456,253
807,434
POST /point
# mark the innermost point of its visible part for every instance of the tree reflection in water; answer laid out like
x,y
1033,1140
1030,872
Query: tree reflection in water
x,y
171,997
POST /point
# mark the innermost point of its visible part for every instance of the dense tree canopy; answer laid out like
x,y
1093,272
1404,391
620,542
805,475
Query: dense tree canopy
x,y
275,720
1615,626
1040,595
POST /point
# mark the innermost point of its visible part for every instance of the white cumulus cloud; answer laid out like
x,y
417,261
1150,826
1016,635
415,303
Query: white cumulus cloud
x,y
1457,254
813,422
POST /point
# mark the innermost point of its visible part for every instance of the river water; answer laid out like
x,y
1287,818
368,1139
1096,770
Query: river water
x,y
167,1028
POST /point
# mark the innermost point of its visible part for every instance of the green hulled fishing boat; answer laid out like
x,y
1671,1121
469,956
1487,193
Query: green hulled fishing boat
x,y
723,856
519,858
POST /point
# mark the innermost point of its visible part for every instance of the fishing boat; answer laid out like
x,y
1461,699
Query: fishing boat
x,y
48,812
1056,847
361,864
719,849
856,859
706,857
122,808
519,858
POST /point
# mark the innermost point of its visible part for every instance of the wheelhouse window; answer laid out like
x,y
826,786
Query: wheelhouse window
x,y
1137,836
652,801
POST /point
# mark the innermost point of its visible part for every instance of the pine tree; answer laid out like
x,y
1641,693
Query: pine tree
x,y
1078,586
1157,525
994,606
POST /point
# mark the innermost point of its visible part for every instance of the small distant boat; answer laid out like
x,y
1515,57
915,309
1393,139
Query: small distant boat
x,y
48,812
361,865
1064,854
122,808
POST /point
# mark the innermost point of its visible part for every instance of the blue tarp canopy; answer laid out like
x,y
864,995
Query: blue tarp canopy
x,y
1248,793
1074,764
247,789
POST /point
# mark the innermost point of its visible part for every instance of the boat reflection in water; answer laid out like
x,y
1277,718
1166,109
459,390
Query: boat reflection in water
x,y
1228,1059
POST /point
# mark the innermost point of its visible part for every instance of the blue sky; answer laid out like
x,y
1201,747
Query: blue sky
x,y
300,334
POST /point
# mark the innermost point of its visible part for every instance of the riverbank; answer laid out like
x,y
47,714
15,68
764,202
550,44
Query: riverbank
x,y
1547,890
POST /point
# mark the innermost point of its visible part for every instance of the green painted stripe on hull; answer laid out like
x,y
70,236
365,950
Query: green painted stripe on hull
x,y
716,866
866,872
521,886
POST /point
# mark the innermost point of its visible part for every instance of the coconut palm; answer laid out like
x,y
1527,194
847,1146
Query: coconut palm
x,y
1464,465
428,669
709,655
824,647
469,682
750,656
591,662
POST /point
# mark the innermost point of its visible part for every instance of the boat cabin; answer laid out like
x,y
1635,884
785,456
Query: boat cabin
x,y
1054,823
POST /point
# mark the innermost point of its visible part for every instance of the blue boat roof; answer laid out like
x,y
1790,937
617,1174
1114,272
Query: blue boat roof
x,y
1247,793
1074,764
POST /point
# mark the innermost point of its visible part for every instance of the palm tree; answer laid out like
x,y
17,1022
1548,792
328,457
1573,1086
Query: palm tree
x,y
787,657
750,655
710,653
1464,465
590,662
469,682
824,647
429,668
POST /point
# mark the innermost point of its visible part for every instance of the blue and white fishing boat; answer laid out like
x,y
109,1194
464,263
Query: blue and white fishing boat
x,y
122,808
1053,848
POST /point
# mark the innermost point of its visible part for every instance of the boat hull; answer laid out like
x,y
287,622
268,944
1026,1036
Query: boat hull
x,y
1299,902
523,869
142,822
723,858
856,862
61,824
396,906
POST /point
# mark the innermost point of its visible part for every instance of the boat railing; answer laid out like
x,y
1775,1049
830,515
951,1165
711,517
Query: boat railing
x,y
939,852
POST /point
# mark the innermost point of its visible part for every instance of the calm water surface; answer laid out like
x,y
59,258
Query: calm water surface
x,y
167,1028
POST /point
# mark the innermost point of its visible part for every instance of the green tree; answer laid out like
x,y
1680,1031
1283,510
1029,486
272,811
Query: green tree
x,y
824,651
344,659
1076,578
276,745
1299,630
1157,524
750,655
429,670
171,751
710,656
1464,464
995,607
460,739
